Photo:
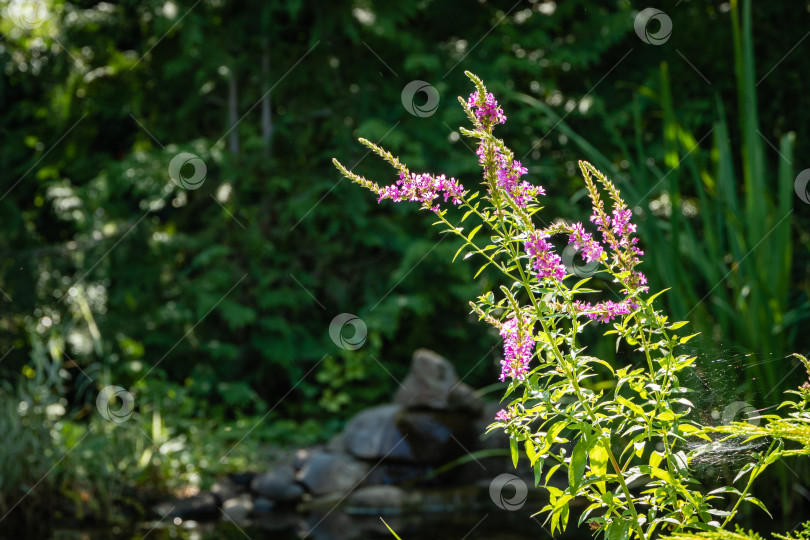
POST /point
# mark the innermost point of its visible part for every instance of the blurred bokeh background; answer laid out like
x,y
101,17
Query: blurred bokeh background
x,y
211,304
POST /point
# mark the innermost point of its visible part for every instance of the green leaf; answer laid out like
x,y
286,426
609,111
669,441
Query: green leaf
x,y
754,500
513,447
559,516
724,489
555,430
686,402
538,471
580,283
681,462
684,362
472,234
530,451
666,416
598,460
576,469
550,473
661,474
656,295
748,467
618,530
237,315
481,269
632,406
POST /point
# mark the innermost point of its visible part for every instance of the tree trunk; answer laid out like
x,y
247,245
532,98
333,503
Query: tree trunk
x,y
267,115
233,117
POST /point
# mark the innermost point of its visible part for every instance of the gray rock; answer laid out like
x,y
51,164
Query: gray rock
x,y
263,505
400,435
387,473
242,480
428,383
320,504
332,473
373,434
278,485
463,397
380,500
239,508
336,443
302,455
436,436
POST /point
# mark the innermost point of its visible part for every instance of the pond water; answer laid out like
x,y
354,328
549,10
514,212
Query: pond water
x,y
467,525
463,525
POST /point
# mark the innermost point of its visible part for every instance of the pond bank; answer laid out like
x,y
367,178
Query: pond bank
x,y
425,452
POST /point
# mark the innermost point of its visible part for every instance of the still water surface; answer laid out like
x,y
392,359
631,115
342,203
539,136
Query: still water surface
x,y
464,524
493,525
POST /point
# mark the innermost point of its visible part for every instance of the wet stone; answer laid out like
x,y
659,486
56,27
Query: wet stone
x,y
329,473
278,485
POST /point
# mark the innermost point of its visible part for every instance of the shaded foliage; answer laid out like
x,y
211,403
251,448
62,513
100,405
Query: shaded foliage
x,y
226,292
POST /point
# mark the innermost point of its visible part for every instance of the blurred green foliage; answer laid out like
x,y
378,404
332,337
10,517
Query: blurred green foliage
x,y
213,305
725,213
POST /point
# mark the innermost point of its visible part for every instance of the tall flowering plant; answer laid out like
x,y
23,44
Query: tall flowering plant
x,y
616,433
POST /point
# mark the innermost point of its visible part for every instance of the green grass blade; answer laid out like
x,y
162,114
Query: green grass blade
x,y
390,529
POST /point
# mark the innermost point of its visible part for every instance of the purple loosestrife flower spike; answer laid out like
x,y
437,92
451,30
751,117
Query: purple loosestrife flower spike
x,y
545,262
591,249
423,188
605,312
488,112
518,348
521,192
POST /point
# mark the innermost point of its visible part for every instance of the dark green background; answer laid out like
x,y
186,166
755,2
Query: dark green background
x,y
228,290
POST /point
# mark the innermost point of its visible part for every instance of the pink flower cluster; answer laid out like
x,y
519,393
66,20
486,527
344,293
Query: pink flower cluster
x,y
605,311
518,349
423,188
488,112
522,192
545,262
503,415
508,175
621,222
591,249
617,231
621,228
